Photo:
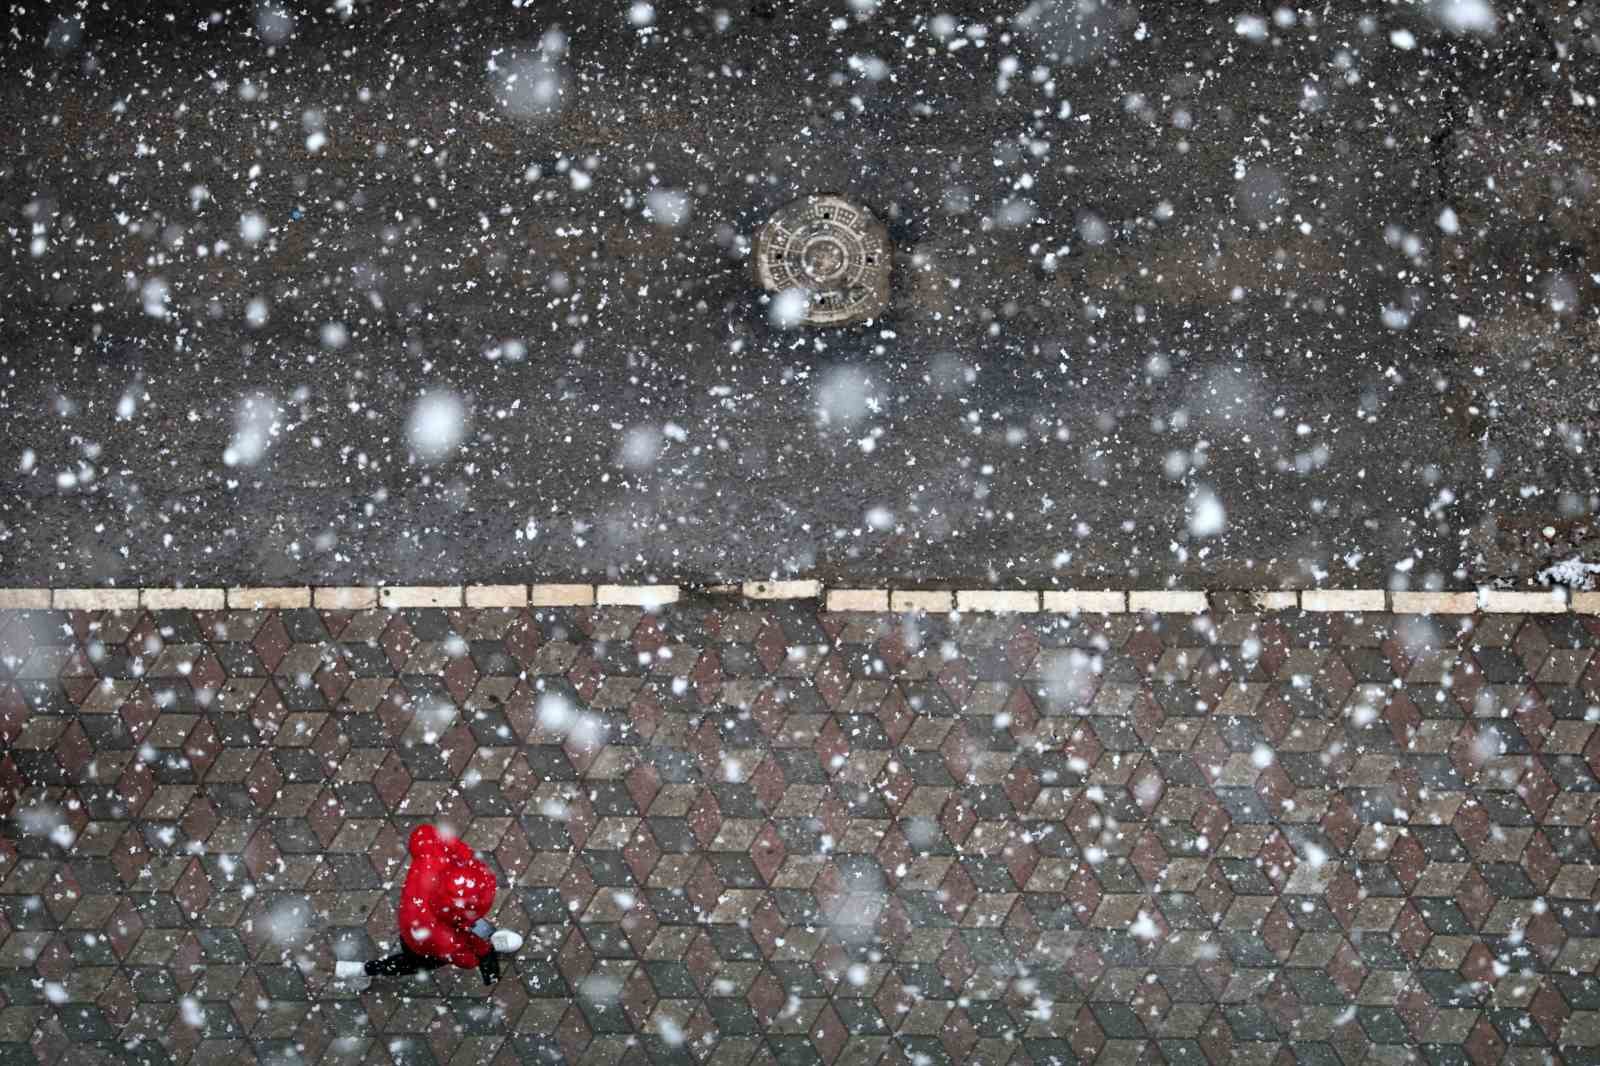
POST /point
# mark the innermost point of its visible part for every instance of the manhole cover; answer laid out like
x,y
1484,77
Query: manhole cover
x,y
834,252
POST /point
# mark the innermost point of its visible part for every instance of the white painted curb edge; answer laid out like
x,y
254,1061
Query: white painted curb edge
x,y
837,600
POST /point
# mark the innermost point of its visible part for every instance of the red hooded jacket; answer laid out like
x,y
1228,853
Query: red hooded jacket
x,y
447,889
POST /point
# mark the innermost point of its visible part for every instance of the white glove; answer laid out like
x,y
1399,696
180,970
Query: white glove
x,y
504,940
352,973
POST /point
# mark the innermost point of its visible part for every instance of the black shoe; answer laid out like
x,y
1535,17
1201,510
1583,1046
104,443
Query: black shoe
x,y
489,967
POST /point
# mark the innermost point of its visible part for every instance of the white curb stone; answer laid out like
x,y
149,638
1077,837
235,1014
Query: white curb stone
x,y
182,599
1085,601
1505,601
269,599
903,600
1353,601
420,596
872,600
560,595
636,595
1168,601
497,595
996,601
95,599
353,598
782,590
1434,602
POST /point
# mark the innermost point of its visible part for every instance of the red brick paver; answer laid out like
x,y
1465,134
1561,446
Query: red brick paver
x,y
773,835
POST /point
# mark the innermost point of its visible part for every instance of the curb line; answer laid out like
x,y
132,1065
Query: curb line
x,y
836,600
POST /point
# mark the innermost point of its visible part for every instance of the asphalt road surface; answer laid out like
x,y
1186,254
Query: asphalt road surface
x,y
1185,293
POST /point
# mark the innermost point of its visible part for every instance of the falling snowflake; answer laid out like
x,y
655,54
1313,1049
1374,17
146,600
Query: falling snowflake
x,y
789,308
1207,517
437,426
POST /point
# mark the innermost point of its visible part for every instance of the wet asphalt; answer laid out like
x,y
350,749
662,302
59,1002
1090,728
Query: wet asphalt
x,y
1178,298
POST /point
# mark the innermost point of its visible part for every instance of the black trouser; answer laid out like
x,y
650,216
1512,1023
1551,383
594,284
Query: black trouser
x,y
408,962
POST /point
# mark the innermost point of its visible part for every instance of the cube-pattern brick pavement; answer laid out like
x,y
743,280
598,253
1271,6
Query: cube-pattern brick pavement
x,y
773,835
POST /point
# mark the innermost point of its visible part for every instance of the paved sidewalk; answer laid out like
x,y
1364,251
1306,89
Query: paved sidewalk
x,y
780,836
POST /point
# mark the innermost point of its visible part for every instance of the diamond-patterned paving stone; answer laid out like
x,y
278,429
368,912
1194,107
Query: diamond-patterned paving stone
x,y
784,836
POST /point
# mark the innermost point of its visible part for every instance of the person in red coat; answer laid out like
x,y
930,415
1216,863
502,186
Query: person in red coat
x,y
448,891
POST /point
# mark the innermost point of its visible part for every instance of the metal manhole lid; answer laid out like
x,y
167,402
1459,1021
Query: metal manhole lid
x,y
833,251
